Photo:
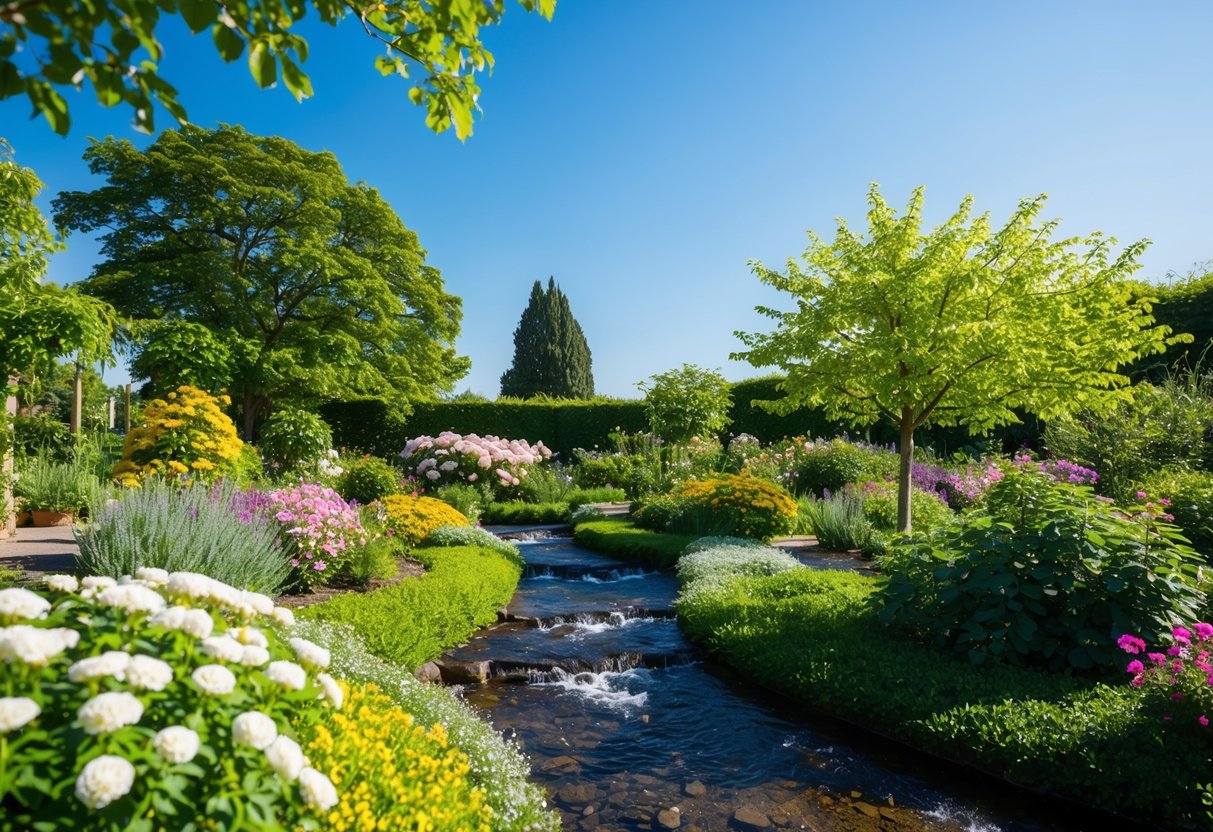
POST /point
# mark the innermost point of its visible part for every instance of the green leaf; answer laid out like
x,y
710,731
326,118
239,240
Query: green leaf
x,y
262,64
296,81
198,14
228,42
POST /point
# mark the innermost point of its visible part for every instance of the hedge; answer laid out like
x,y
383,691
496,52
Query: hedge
x,y
623,539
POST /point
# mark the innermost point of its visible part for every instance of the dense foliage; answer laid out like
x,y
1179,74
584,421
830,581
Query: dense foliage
x,y
624,539
320,531
732,504
471,536
551,356
294,441
68,487
686,403
367,479
411,519
1190,494
186,434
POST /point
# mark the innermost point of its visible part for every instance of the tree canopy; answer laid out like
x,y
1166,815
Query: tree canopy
x,y
312,286
49,45
960,326
688,402
551,356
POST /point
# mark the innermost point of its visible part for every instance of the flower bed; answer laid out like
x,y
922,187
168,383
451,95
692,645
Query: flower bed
x,y
411,519
451,458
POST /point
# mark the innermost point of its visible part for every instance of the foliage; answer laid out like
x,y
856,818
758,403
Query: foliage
x,y
1175,682
815,635
294,441
1190,494
368,479
1163,426
1044,573
732,504
468,500
192,529
411,519
167,701
838,521
551,356
497,766
320,530
828,466
173,353
450,458
625,540
315,285
185,434
957,327
41,435
879,500
425,782
636,475
714,541
686,403
58,486
968,486
471,536
116,49
374,561
517,513
1186,305
460,592
249,467
706,567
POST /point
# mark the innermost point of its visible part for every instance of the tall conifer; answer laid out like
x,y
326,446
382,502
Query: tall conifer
x,y
551,356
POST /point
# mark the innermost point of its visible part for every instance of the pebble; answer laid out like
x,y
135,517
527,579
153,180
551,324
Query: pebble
x,y
695,789
751,818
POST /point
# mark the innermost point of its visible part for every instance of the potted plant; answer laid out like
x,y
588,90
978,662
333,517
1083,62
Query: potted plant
x,y
54,493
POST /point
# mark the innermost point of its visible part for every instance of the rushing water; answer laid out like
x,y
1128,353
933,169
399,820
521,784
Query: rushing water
x,y
629,728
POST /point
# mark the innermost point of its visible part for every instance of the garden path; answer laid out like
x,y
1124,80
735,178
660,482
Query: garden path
x,y
40,551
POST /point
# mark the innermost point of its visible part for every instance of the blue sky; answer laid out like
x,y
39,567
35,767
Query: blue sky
x,y
643,152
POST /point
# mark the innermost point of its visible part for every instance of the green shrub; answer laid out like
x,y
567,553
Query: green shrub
x,y
839,522
634,474
471,536
577,497
460,592
58,486
248,467
706,569
468,500
716,541
729,504
375,560
927,510
520,514
183,529
623,539
1191,496
294,440
367,479
1044,573
828,466
545,484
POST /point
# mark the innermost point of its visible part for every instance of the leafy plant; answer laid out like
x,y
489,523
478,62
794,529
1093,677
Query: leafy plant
x,y
185,434
320,530
368,479
519,513
58,486
624,539
839,522
706,567
375,560
731,504
468,500
449,458
471,536
686,403
294,441
828,466
1190,494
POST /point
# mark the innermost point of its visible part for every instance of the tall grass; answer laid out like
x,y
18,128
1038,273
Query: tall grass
x,y
43,485
192,529
838,522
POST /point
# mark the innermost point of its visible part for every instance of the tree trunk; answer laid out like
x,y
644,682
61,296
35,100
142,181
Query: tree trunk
x,y
906,446
252,405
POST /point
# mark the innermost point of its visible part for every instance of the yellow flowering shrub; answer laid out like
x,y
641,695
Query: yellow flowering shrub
x,y
733,504
390,773
186,432
411,519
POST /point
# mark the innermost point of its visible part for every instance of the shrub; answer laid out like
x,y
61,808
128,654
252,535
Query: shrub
x,y
928,510
584,514
965,488
839,522
320,529
185,434
687,402
706,569
368,479
578,497
468,500
715,541
63,486
625,540
1043,573
294,441
375,560
471,536
828,466
249,467
192,529
1191,497
1176,683
732,504
411,519
449,458
636,475
169,701
519,513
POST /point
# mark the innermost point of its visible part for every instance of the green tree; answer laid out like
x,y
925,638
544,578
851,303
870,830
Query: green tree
x,y
688,402
960,326
173,353
551,356
313,285
49,45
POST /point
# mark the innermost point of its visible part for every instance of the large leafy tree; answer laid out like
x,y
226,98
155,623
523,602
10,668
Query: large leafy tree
x,y
551,356
312,286
50,45
687,403
960,326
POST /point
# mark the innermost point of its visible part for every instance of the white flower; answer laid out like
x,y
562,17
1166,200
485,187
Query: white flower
x,y
332,690
263,604
317,789
33,645
248,635
254,729
104,780
189,585
195,622
223,648
132,598
98,582
111,663
17,711
62,583
253,656
284,616
214,679
148,673
177,744
17,604
311,654
287,674
152,576
286,757
108,712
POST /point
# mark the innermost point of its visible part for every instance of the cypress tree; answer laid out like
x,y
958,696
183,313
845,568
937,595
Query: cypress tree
x,y
551,356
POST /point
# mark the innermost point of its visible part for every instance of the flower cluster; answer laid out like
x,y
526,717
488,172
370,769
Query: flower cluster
x,y
450,458
411,519
1178,680
964,488
185,434
741,505
165,693
393,773
320,527
1061,470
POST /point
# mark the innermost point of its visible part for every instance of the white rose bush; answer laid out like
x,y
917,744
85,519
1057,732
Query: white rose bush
x,y
488,461
158,702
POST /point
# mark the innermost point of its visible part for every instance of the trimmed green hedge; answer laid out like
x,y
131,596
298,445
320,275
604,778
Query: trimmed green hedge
x,y
814,635
623,539
417,619
517,513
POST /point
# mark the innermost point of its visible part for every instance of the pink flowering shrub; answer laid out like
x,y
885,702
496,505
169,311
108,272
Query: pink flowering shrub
x,y
485,461
1177,681
964,488
321,529
1061,470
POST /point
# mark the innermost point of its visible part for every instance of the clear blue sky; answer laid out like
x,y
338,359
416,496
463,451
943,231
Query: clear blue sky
x,y
643,152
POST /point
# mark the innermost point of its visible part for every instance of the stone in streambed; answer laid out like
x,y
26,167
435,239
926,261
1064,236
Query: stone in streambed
x,y
575,794
866,808
429,672
695,789
750,818
454,672
563,763
669,818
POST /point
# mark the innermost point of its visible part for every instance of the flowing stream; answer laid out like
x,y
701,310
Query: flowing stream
x,y
630,728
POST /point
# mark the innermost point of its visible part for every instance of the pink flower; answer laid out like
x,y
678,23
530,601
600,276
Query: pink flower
x,y
1203,720
1138,681
1175,697
1157,658
319,566
1203,630
1131,643
1182,634
1141,495
1135,666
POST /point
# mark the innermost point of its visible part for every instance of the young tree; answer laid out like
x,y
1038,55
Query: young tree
x,y
313,286
688,402
48,45
960,326
551,356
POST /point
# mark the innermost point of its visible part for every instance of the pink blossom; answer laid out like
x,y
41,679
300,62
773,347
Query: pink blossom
x,y
1135,666
1203,630
1130,643
1182,634
1203,720
1141,495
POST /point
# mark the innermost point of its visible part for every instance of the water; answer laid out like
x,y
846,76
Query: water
x,y
630,728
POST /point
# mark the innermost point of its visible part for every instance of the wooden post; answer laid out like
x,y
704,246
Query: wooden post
x,y
77,398
126,412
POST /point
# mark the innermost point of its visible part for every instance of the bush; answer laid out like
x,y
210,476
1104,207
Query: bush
x,y
249,467
192,529
460,593
368,479
634,474
706,569
184,434
1191,496
294,441
1044,573
578,497
154,705
468,500
411,519
518,513
320,531
451,459
828,466
715,541
839,522
64,486
471,536
928,511
625,540
686,403
733,504
375,560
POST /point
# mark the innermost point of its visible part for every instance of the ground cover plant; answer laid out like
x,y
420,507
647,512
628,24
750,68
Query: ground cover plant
x,y
623,539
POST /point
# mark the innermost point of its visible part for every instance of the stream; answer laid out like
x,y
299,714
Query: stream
x,y
629,727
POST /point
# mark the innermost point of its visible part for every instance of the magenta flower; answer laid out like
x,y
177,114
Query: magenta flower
x,y
1130,643
1203,630
1182,634
1203,720
1135,666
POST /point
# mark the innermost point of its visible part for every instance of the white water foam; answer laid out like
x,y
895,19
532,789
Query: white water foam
x,y
607,688
615,576
582,627
950,814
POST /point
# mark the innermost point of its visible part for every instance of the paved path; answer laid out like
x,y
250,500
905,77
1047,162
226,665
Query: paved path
x,y
40,551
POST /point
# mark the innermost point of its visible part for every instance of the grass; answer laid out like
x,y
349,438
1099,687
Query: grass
x,y
623,539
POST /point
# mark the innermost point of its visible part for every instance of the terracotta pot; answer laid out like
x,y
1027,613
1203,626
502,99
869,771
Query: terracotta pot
x,y
23,518
42,519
